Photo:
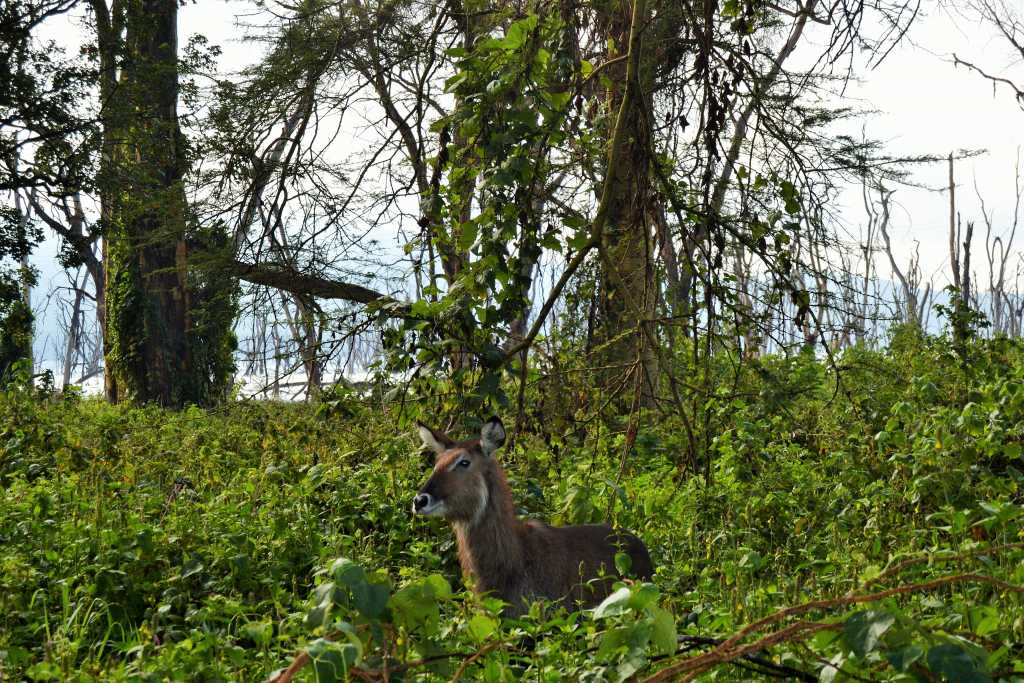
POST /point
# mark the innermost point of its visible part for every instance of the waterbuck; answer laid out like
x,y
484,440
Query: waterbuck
x,y
513,559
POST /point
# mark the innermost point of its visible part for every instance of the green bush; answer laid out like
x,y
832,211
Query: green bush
x,y
143,544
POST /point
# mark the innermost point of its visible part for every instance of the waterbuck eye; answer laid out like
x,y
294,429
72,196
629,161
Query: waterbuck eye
x,y
463,463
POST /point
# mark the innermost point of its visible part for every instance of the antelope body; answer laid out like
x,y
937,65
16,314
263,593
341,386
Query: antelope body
x,y
513,559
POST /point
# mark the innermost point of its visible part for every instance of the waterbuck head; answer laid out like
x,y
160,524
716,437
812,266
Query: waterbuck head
x,y
460,485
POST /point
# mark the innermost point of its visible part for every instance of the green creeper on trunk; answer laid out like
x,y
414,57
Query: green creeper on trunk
x,y
628,287
154,350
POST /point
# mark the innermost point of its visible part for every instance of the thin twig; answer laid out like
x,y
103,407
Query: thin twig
x,y
300,661
477,655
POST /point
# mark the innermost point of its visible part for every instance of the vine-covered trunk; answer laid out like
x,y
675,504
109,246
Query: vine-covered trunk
x,y
628,289
453,256
147,307
109,24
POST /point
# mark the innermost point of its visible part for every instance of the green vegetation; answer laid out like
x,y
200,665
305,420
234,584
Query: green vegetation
x,y
616,222
145,544
17,238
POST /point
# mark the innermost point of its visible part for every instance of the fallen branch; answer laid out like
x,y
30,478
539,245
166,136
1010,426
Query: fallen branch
x,y
730,649
768,667
694,666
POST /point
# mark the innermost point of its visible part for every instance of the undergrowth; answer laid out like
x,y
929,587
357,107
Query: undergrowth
x,y
865,530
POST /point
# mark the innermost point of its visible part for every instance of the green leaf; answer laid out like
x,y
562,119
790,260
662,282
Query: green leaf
x,y
331,660
371,599
420,308
644,596
633,663
438,586
864,629
489,383
416,605
316,616
353,639
324,593
615,604
559,99
790,197
902,659
192,568
993,660
551,242
752,561
663,635
44,671
984,620
259,632
518,33
611,642
467,235
955,664
481,627
872,571
578,241
452,83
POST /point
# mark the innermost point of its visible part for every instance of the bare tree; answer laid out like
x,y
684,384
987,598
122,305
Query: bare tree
x,y
1009,25
998,249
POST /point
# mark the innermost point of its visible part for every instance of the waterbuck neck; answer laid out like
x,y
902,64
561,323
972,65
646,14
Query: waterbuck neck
x,y
491,546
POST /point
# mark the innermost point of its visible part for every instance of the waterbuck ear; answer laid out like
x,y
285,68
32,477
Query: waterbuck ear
x,y
492,436
434,440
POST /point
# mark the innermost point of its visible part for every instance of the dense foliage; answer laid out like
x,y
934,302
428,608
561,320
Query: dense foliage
x,y
17,239
144,544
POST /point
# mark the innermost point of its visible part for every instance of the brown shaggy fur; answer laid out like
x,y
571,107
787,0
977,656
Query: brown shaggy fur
x,y
513,559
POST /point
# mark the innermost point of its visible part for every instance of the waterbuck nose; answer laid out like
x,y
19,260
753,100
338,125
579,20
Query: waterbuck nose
x,y
421,501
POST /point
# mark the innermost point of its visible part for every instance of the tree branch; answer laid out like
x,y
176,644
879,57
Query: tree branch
x,y
996,80
285,278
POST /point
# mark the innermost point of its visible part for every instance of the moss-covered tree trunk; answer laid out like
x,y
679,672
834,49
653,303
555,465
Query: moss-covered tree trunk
x,y
109,25
147,321
16,319
628,287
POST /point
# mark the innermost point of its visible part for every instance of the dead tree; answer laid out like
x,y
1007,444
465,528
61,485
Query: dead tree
x,y
998,251
72,328
911,302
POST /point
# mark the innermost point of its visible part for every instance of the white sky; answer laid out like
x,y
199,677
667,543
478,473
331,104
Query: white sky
x,y
926,106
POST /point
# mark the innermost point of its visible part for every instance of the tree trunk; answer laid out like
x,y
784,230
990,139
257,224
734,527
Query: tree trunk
x,y
147,301
25,277
109,24
628,290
